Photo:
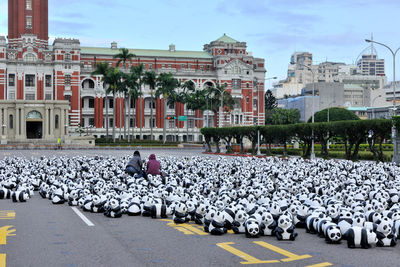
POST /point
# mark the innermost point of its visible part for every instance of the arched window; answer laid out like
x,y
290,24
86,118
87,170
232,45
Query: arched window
x,y
56,123
11,121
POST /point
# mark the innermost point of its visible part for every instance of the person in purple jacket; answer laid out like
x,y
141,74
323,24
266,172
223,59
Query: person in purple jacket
x,y
153,165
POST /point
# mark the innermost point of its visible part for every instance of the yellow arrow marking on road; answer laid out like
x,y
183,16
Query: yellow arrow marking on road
x,y
323,264
290,256
4,232
2,260
248,258
7,214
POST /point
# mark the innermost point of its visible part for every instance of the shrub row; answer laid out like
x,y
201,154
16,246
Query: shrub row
x,y
351,133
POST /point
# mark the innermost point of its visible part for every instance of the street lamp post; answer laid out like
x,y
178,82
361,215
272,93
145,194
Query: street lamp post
x,y
328,119
372,104
396,157
312,157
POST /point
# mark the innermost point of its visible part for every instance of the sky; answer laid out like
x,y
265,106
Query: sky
x,y
332,30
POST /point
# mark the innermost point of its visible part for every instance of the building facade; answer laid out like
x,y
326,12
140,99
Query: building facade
x,y
52,85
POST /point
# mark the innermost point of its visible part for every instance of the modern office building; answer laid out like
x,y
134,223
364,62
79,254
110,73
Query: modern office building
x,y
47,91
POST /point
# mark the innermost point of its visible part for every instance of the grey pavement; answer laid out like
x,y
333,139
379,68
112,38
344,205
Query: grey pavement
x,y
53,235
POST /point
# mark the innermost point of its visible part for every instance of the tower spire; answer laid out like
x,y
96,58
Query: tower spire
x,y
372,45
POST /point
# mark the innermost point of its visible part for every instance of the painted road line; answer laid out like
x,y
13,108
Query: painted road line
x,y
290,256
248,258
2,260
6,231
83,217
7,214
323,264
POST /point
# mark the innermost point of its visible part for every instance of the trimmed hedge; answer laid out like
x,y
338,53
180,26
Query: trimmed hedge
x,y
350,133
103,141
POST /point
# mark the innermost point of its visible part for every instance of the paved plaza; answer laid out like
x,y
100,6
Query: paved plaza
x,y
38,233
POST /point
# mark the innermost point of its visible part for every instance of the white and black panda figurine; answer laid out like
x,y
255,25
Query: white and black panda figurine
x,y
113,210
199,214
98,204
73,198
160,211
332,234
239,224
229,216
269,223
252,227
285,229
385,234
208,218
217,225
19,196
5,193
360,237
180,213
134,209
58,196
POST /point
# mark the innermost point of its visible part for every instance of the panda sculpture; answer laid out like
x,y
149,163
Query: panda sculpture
x,y
332,234
5,193
160,211
359,237
180,213
199,214
113,210
238,225
285,229
385,234
217,225
19,196
252,227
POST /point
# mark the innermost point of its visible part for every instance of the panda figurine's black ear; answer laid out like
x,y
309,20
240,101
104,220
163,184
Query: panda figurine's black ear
x,y
378,222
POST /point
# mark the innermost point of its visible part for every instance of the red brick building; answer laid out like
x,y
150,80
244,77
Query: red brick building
x,y
32,72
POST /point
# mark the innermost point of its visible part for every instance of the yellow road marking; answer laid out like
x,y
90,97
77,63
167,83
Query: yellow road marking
x,y
290,256
183,230
4,232
7,214
323,264
2,260
248,258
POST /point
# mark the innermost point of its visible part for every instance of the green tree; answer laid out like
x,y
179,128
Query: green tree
x,y
335,114
270,103
139,71
214,94
166,85
114,79
150,78
101,68
132,94
282,116
124,55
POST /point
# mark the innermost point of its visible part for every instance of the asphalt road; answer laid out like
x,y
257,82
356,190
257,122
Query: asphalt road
x,y
54,235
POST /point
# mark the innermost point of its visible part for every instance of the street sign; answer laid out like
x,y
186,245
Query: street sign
x,y
182,118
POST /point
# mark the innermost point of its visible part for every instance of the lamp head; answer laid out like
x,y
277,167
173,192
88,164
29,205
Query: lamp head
x,y
368,41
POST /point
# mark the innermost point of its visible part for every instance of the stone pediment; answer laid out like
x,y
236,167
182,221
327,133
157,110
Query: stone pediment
x,y
236,67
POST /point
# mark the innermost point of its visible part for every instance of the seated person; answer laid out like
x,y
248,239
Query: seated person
x,y
134,166
153,165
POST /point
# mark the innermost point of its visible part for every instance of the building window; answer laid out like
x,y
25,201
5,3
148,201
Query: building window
x,y
56,121
132,123
29,96
30,80
154,104
91,102
48,81
133,103
11,79
11,121
171,105
68,80
29,22
111,123
151,66
236,84
83,102
191,123
208,67
189,66
91,121
171,124
111,103
201,67
48,96
29,4
183,66
68,57
254,102
170,66
163,66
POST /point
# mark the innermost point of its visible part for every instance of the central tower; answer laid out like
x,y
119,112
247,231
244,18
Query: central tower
x,y
27,17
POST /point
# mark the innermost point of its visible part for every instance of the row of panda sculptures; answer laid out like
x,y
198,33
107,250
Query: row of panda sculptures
x,y
336,200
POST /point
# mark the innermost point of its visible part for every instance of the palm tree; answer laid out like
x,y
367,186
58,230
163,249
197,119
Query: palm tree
x,y
133,93
101,68
124,55
214,94
139,70
185,96
166,86
114,79
150,78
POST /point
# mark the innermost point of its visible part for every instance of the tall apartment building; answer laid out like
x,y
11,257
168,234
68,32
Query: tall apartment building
x,y
46,91
370,65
